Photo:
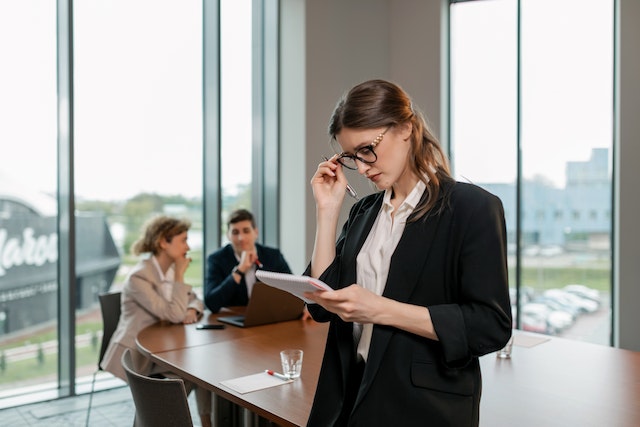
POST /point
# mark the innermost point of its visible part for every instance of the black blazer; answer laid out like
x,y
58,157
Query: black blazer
x,y
220,290
454,263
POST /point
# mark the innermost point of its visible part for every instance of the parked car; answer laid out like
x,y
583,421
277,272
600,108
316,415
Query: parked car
x,y
557,320
584,292
534,322
555,304
583,304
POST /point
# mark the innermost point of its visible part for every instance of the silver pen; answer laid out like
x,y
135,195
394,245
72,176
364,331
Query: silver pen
x,y
349,188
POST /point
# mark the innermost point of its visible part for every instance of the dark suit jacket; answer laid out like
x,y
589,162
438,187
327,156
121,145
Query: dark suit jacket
x,y
220,290
454,263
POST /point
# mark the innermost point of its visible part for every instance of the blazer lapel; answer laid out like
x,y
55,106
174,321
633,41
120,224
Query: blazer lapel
x,y
357,236
413,250
150,273
352,244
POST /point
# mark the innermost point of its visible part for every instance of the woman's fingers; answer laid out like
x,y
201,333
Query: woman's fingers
x,y
352,304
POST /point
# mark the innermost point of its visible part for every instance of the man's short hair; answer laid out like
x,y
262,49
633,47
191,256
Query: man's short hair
x,y
241,215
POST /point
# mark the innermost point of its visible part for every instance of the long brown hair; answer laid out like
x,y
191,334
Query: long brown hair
x,y
380,103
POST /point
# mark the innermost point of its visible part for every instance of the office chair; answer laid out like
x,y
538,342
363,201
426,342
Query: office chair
x,y
159,401
110,310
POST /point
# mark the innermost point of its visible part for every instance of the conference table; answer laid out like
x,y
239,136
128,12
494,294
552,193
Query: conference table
x,y
207,357
548,381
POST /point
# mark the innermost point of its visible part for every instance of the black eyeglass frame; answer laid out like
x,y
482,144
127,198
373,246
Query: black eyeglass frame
x,y
369,147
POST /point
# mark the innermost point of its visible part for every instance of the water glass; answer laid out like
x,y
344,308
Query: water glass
x,y
291,363
505,352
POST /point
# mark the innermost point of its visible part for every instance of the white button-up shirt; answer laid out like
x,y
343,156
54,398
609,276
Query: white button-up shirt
x,y
374,258
166,280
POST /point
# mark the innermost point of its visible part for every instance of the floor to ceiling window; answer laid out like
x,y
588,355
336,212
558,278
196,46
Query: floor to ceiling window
x,y
138,120
236,107
138,141
531,109
28,206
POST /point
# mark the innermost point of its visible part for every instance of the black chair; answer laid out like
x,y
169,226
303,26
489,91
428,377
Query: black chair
x,y
159,401
110,309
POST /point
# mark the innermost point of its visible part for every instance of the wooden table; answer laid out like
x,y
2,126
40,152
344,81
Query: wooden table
x,y
561,382
548,381
207,357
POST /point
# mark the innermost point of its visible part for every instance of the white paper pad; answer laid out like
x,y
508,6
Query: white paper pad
x,y
295,285
528,340
254,382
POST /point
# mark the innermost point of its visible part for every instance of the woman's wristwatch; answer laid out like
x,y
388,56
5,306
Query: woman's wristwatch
x,y
237,271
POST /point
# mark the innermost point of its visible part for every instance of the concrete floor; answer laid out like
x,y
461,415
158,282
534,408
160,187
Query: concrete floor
x,y
110,408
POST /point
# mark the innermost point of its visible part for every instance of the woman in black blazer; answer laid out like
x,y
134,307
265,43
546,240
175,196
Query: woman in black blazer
x,y
419,270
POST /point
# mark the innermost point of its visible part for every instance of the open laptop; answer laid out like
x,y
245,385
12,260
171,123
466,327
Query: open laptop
x,y
267,305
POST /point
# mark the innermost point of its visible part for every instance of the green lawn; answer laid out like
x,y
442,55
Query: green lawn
x,y
546,277
45,365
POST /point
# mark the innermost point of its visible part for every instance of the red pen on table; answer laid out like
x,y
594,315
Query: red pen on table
x,y
277,375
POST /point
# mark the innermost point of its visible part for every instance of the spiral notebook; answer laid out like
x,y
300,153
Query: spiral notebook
x,y
295,285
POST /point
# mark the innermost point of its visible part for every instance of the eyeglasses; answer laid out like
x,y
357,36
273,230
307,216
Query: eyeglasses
x,y
365,154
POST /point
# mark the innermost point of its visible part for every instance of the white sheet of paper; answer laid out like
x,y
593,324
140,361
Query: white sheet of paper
x,y
254,382
294,284
528,341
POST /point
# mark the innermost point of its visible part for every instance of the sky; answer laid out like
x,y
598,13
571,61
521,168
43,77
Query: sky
x,y
138,96
567,89
138,116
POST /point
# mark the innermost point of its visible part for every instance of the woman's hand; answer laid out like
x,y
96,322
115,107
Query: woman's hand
x,y
329,184
181,264
357,304
353,303
191,316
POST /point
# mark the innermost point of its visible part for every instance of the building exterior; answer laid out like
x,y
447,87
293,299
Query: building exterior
x,y
577,217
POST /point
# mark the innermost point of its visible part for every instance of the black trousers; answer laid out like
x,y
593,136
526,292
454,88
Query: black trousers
x,y
353,385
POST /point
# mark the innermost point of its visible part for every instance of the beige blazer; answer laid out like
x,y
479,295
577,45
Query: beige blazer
x,y
143,304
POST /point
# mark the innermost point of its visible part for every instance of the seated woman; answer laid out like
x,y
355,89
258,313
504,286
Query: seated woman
x,y
155,291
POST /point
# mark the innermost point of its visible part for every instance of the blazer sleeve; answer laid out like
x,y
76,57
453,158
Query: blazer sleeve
x,y
195,303
479,319
220,290
145,293
331,275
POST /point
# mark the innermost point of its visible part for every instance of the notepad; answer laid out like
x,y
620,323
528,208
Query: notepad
x,y
295,285
254,382
528,340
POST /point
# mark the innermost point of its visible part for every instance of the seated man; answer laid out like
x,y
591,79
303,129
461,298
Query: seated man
x,y
231,269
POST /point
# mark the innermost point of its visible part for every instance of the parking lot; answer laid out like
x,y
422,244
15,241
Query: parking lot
x,y
592,327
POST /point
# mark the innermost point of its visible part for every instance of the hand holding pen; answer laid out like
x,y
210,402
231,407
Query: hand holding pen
x,y
247,261
349,189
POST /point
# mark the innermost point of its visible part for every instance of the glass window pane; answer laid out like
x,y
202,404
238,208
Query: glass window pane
x,y
566,98
138,146
28,206
567,128
484,91
484,104
236,106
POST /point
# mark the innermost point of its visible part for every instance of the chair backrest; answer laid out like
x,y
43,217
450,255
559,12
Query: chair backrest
x,y
159,401
110,309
